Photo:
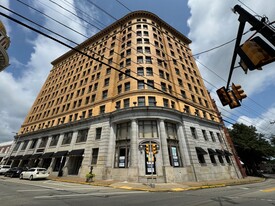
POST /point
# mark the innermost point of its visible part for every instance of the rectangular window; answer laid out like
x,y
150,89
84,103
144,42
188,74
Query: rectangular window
x,y
204,135
140,84
140,71
165,102
150,84
140,60
67,138
82,135
200,154
147,50
147,129
171,130
24,145
174,156
163,86
212,156
105,94
98,133
43,142
126,103
152,101
127,86
219,137
212,136
119,89
183,94
141,101
54,140
180,82
33,144
148,60
139,49
106,82
193,132
123,131
102,109
94,156
118,105
149,71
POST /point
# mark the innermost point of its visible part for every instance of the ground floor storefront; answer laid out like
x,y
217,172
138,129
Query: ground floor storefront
x,y
140,145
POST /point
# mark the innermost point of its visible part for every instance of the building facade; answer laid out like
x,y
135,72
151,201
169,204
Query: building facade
x,y
132,87
4,45
4,151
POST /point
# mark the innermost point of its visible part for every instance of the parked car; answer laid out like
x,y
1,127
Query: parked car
x,y
15,171
4,169
34,173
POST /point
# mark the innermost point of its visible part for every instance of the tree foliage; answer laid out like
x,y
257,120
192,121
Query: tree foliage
x,y
251,146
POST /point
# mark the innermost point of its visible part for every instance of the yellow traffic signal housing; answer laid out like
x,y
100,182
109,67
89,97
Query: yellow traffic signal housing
x,y
223,96
234,102
154,148
238,92
255,53
147,148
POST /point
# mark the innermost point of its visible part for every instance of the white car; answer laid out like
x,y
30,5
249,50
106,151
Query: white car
x,y
34,173
4,168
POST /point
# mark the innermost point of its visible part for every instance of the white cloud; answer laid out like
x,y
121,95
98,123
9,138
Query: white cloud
x,y
18,93
212,23
263,126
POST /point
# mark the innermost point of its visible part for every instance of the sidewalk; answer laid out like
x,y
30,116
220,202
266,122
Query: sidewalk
x,y
160,187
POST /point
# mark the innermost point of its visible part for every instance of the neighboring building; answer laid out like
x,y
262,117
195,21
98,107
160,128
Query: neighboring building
x,y
88,114
4,45
4,151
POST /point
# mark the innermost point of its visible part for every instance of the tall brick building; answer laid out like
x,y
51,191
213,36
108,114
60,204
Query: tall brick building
x,y
149,93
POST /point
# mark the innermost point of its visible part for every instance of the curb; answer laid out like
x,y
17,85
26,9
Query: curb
x,y
179,189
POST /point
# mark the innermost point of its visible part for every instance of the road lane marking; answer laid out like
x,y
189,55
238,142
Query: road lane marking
x,y
268,190
37,190
88,194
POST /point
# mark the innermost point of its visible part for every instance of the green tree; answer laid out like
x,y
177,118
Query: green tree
x,y
251,146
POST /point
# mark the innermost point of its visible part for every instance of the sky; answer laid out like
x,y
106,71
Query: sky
x,y
208,23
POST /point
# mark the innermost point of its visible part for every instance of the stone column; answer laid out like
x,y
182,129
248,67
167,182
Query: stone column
x,y
111,148
183,146
134,146
164,146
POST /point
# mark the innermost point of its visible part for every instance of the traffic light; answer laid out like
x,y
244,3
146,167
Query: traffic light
x,y
234,102
154,148
147,148
223,96
238,92
255,53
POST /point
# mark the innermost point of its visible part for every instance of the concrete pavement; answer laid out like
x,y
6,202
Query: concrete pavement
x,y
160,187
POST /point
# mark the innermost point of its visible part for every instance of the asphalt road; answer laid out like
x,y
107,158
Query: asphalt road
x,y
15,192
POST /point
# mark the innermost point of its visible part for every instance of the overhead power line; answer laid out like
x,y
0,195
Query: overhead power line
x,y
161,90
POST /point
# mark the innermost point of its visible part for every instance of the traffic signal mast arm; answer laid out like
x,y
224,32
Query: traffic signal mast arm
x,y
259,26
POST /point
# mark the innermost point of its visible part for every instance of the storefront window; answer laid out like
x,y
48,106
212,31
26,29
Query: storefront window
x,y
147,129
122,145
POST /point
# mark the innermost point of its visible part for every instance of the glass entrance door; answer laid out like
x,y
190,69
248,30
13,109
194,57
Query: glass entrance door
x,y
150,163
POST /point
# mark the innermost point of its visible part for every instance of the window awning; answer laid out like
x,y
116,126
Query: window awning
x,y
35,156
200,151
219,152
17,157
78,152
226,153
25,157
11,157
211,151
47,155
60,154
